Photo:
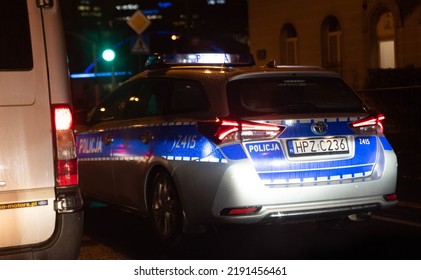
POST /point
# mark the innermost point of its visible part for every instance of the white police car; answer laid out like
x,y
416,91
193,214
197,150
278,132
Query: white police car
x,y
212,143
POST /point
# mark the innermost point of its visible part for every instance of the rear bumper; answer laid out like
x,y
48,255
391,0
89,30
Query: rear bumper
x,y
320,214
64,244
277,214
236,185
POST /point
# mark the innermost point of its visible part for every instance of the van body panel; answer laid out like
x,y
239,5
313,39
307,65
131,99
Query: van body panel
x,y
17,94
29,220
57,57
29,217
26,156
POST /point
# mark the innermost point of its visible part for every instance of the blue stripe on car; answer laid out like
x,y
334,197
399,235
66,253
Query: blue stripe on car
x,y
385,143
172,141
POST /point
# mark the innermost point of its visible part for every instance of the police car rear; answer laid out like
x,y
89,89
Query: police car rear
x,y
300,145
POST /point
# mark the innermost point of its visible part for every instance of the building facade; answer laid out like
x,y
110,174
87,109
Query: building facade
x,y
348,36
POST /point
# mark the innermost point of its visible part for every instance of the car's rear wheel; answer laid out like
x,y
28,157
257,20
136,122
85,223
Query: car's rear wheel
x,y
165,209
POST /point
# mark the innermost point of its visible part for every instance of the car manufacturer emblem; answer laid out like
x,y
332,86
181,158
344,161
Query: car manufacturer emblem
x,y
319,128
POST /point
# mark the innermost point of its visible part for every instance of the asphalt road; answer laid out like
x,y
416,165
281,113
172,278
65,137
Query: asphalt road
x,y
392,234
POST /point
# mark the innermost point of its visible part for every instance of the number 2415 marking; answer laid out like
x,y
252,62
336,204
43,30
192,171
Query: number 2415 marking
x,y
186,141
364,141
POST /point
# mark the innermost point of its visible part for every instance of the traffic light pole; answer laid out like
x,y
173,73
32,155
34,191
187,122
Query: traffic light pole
x,y
109,56
113,82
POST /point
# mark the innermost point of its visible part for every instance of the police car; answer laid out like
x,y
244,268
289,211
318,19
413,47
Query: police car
x,y
202,139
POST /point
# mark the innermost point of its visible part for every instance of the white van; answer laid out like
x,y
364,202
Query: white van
x,y
41,213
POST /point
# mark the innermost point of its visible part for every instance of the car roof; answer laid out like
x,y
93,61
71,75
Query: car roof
x,y
230,66
234,72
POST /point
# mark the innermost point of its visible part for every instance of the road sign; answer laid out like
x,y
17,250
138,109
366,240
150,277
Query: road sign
x,y
138,22
140,47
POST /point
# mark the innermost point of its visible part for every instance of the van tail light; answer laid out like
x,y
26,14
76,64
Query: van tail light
x,y
224,131
66,160
369,125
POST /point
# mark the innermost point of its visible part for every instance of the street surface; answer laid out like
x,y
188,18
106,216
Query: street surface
x,y
390,234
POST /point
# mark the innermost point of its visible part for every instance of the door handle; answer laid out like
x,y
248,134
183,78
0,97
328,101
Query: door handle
x,y
146,137
107,139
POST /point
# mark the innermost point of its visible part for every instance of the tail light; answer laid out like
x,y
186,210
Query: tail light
x,y
223,131
241,211
369,125
390,197
66,160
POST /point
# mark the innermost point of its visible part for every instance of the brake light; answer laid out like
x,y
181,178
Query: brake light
x,y
391,197
66,164
63,118
227,130
241,211
369,125
223,131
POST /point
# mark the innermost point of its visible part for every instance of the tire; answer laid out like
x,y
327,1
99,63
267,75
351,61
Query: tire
x,y
165,209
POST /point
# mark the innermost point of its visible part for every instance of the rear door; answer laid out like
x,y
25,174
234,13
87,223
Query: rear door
x,y
26,153
115,147
135,139
95,143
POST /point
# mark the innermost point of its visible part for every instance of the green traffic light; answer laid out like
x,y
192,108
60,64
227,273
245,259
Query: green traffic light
x,y
108,55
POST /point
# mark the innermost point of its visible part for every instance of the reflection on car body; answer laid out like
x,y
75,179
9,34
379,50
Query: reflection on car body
x,y
193,146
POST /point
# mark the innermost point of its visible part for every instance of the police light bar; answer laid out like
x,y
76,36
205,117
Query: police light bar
x,y
207,58
159,60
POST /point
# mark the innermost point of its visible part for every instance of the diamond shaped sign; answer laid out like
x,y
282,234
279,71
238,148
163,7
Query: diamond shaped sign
x,y
138,22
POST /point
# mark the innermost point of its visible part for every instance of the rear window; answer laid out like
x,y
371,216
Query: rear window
x,y
291,96
15,40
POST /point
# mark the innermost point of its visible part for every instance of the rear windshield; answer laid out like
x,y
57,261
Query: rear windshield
x,y
248,97
15,40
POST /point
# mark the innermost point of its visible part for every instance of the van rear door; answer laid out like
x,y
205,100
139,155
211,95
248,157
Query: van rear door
x,y
27,176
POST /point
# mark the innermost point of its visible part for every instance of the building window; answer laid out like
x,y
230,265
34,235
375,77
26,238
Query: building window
x,y
331,43
289,42
385,31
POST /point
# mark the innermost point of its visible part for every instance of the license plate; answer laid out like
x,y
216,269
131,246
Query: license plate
x,y
318,146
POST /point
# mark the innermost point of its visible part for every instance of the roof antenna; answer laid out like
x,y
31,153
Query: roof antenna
x,y
271,64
